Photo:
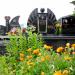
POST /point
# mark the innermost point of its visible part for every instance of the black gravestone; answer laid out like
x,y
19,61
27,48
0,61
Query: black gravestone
x,y
44,22
15,22
2,30
68,25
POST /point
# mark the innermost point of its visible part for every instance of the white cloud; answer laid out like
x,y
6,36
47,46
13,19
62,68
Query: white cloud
x,y
25,7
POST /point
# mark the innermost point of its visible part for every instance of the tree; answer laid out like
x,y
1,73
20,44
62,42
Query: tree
x,y
73,2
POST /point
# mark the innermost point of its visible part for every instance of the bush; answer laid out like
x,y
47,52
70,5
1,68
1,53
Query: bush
x,y
27,55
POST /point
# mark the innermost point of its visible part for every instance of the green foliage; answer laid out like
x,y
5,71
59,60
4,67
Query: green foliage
x,y
22,42
34,40
3,66
26,55
58,28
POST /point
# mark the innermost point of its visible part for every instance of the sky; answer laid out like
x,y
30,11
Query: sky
x,y
23,8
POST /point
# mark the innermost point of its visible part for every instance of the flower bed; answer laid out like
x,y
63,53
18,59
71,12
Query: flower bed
x,y
28,55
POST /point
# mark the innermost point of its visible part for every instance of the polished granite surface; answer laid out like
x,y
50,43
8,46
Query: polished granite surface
x,y
48,36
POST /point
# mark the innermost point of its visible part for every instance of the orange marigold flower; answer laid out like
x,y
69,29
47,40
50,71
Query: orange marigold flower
x,y
21,55
36,51
42,73
73,45
65,72
29,57
58,73
21,58
47,57
42,59
59,49
49,47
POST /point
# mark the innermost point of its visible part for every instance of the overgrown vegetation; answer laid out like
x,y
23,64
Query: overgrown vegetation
x,y
27,55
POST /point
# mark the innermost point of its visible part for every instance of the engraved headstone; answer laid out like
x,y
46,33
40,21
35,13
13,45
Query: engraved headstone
x,y
44,22
68,25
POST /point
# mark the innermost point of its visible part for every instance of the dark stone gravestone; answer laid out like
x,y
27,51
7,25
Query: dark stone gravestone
x,y
68,25
15,22
2,30
9,24
44,22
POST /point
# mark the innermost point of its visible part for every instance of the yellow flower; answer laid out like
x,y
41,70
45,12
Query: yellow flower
x,y
67,58
68,45
42,73
47,47
47,57
39,54
21,55
29,50
36,51
73,45
21,58
65,72
29,57
59,49
30,63
58,25
58,73
42,59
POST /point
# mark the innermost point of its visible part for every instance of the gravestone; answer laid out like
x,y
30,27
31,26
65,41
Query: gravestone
x,y
44,22
68,25
15,22
9,24
2,30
